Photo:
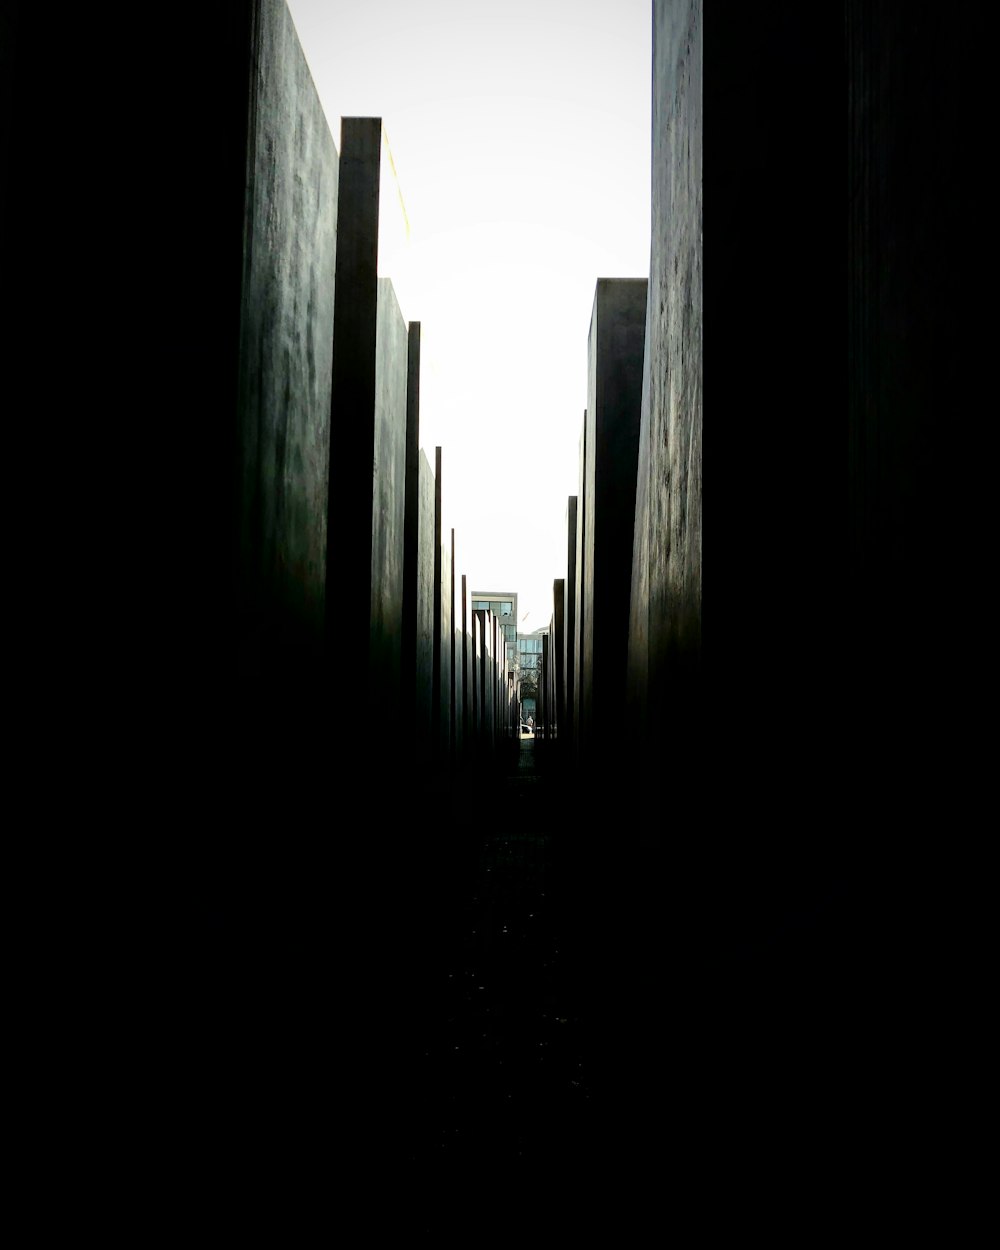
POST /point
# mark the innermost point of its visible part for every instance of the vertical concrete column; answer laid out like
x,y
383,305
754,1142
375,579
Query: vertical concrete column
x,y
442,623
476,673
543,687
494,682
558,653
285,337
578,590
411,532
639,609
468,684
569,646
445,693
486,623
614,394
422,731
368,439
457,662
665,625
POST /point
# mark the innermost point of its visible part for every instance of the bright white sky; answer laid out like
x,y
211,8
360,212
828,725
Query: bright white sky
x,y
521,139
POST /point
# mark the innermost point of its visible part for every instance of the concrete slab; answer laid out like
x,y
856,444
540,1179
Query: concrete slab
x,y
665,629
579,587
569,631
286,343
457,662
370,366
614,395
411,527
424,640
468,670
442,621
487,681
557,685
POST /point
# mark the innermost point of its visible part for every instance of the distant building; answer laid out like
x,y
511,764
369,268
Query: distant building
x,y
503,605
529,663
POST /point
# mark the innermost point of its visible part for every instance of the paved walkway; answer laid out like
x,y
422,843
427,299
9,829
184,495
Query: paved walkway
x,y
504,1072
473,1012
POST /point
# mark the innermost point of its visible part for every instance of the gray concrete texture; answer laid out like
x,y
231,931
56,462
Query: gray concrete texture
x,y
371,352
544,686
569,630
286,336
579,565
457,660
388,499
664,645
443,598
503,685
614,402
468,672
411,529
638,639
476,682
487,682
424,640
557,652
493,679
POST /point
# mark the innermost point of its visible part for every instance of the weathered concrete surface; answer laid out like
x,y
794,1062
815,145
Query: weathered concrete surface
x,y
370,365
468,671
638,639
476,682
492,681
578,588
388,499
445,688
503,685
424,641
286,338
665,620
557,684
443,598
487,682
545,685
411,530
569,632
457,660
614,400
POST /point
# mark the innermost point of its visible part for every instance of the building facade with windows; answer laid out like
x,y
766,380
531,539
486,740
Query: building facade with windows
x,y
529,663
504,608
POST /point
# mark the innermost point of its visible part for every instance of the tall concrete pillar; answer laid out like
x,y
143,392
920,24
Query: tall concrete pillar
x,y
411,533
420,735
664,649
443,599
569,632
368,439
579,584
468,672
558,652
457,663
614,400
